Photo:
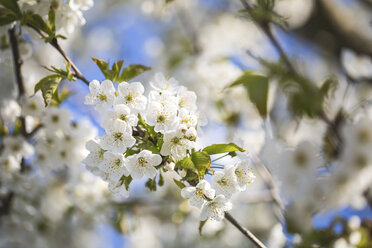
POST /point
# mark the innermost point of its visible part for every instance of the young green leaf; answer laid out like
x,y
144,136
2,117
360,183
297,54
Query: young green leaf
x,y
180,184
102,65
151,184
202,161
49,87
127,180
186,163
6,17
222,148
12,5
257,88
161,180
38,22
52,19
131,72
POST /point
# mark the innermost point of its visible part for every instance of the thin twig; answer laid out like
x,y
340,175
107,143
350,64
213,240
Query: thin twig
x,y
34,131
245,231
55,44
265,27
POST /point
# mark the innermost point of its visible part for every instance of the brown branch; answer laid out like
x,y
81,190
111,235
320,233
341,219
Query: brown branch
x,y
54,43
265,27
18,71
245,231
17,61
34,131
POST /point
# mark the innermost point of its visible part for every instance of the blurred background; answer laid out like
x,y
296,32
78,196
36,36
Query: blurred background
x,y
206,45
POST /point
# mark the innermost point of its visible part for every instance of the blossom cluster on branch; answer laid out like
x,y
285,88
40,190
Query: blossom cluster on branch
x,y
147,136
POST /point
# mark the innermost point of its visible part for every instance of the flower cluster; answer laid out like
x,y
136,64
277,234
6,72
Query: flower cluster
x,y
145,136
141,133
214,200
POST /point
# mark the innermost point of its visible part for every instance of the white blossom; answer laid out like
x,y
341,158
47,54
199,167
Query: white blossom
x,y
95,156
9,163
186,99
225,182
102,95
175,144
215,209
244,174
163,118
10,111
143,164
118,189
122,113
55,118
161,83
17,146
131,94
114,165
33,106
199,193
118,137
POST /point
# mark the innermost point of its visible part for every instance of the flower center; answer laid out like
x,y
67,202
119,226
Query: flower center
x,y
129,97
123,117
63,154
118,136
55,118
100,153
102,97
32,106
222,182
176,141
142,161
161,118
117,162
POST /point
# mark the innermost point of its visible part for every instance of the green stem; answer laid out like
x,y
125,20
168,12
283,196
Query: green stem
x,y
220,157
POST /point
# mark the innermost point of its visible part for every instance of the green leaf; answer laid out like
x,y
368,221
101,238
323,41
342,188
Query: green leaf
x,y
38,22
131,72
161,180
202,161
52,19
11,5
127,180
186,163
6,17
49,87
103,66
222,148
201,225
180,184
151,184
116,68
257,87
116,73
149,129
328,86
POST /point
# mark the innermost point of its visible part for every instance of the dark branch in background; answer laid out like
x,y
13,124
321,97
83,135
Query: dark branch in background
x,y
54,43
17,61
245,231
18,72
34,131
265,27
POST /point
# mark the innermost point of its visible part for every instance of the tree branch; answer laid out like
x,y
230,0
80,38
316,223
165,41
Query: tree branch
x,y
245,231
54,43
18,71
